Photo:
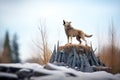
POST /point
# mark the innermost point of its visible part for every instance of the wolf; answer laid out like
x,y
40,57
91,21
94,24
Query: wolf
x,y
71,32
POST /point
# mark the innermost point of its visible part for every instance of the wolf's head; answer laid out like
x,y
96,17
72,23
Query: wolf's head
x,y
66,23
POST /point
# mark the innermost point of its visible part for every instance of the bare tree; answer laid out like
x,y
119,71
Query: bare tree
x,y
43,56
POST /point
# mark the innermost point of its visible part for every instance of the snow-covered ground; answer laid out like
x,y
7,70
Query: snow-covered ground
x,y
34,71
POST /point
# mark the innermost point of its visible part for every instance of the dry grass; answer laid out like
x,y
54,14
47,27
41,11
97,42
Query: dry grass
x,y
110,53
36,58
0,57
111,59
78,46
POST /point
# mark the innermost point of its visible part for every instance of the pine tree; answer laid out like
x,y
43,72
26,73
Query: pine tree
x,y
15,55
6,55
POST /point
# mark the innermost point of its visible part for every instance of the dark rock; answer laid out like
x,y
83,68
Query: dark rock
x,y
78,57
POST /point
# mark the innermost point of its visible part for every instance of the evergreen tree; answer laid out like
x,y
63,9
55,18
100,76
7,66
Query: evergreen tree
x,y
6,55
15,55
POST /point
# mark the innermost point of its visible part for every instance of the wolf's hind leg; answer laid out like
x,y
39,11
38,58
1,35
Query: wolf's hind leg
x,y
78,38
84,40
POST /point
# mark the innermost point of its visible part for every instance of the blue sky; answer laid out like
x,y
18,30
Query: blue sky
x,y
24,16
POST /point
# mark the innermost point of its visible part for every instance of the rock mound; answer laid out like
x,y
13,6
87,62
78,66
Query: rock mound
x,y
78,57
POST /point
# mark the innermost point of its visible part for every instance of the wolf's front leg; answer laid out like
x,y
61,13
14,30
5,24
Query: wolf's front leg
x,y
80,41
84,40
71,40
68,39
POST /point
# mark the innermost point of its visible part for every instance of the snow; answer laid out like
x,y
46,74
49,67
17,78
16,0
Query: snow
x,y
7,74
23,65
60,73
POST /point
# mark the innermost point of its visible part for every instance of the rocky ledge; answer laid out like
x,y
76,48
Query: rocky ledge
x,y
78,57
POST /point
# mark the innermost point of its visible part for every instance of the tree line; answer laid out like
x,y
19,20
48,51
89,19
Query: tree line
x,y
10,50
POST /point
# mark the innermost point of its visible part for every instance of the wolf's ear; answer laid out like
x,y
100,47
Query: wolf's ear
x,y
70,22
63,22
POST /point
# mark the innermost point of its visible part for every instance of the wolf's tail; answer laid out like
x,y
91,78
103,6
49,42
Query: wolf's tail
x,y
88,35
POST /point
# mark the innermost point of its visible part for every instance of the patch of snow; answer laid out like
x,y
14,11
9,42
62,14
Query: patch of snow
x,y
23,65
54,72
7,75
